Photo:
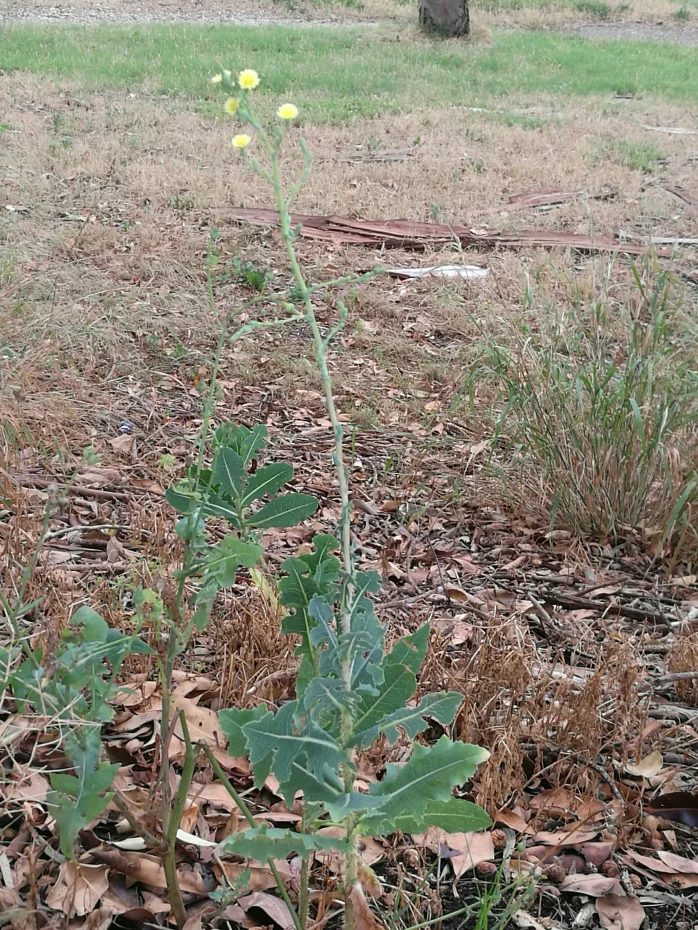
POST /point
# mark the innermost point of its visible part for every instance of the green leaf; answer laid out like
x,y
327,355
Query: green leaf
x,y
231,553
399,669
326,788
229,472
453,815
322,613
410,651
267,480
179,500
286,510
78,799
94,627
94,783
263,843
232,721
72,817
430,774
275,742
413,720
247,443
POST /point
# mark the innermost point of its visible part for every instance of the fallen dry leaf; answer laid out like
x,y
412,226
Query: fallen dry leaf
x,y
364,917
620,912
30,787
370,850
124,444
273,907
457,631
189,818
260,878
202,722
511,818
656,865
678,863
647,767
465,851
149,869
574,835
597,853
679,806
369,881
526,921
78,888
475,848
593,885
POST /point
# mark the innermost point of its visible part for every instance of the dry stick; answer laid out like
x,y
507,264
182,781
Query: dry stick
x,y
303,894
24,481
247,814
633,613
667,680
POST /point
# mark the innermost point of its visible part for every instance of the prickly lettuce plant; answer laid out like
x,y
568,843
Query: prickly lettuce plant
x,y
71,691
350,691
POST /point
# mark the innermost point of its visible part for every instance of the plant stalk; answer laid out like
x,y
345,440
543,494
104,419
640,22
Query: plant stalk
x,y
304,878
247,814
320,352
169,860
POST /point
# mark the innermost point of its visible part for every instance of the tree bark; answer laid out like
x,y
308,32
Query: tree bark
x,y
446,17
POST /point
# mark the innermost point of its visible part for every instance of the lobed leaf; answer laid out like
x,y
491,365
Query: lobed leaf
x,y
229,473
262,843
442,706
232,721
429,775
454,815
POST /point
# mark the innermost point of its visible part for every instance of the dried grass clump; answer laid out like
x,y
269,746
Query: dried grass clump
x,y
255,660
683,657
602,407
528,705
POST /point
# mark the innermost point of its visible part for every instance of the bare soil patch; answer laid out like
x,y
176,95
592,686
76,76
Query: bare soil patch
x,y
643,32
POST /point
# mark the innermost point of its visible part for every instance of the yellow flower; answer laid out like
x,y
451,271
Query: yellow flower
x,y
217,79
239,142
248,79
287,111
231,105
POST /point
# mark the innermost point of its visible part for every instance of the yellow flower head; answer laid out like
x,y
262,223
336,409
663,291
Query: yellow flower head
x,y
239,142
231,105
217,79
287,111
248,79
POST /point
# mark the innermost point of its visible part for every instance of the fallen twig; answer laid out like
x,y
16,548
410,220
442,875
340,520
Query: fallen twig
x,y
587,603
29,481
668,679
407,235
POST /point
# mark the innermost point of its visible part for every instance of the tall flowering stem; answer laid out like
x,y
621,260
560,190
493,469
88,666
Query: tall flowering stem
x,y
239,104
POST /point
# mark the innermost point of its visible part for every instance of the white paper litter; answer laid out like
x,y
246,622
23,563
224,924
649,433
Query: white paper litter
x,y
465,272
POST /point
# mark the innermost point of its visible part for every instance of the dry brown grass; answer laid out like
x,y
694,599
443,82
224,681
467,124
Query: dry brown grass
x,y
684,658
104,303
104,309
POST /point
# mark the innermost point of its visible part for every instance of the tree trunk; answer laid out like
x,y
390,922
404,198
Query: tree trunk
x,y
447,17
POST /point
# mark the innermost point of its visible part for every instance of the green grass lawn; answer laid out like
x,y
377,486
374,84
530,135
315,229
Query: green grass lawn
x,y
336,74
